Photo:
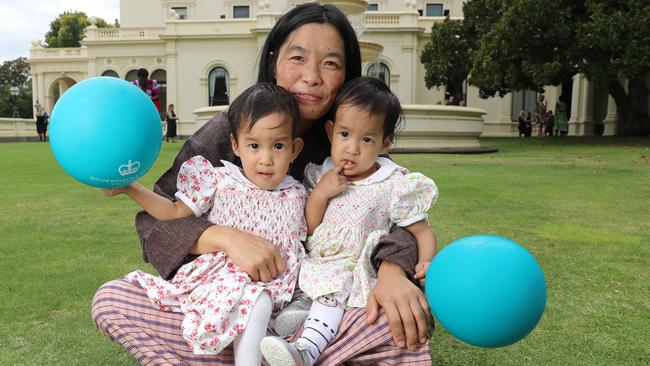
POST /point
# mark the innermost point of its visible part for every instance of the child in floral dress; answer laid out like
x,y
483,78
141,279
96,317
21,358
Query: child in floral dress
x,y
356,196
220,302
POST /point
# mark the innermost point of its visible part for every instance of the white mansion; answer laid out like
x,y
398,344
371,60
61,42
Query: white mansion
x,y
205,52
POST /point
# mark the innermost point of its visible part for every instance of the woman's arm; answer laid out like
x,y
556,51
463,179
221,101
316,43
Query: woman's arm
x,y
406,308
403,302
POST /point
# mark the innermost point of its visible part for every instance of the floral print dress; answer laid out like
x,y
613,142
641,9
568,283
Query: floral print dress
x,y
338,253
215,295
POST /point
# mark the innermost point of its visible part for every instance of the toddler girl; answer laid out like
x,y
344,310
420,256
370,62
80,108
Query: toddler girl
x,y
220,302
356,196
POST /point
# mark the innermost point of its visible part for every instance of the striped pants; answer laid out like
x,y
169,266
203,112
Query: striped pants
x,y
123,312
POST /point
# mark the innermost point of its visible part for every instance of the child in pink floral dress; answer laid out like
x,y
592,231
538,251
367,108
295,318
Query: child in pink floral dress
x,y
356,196
220,302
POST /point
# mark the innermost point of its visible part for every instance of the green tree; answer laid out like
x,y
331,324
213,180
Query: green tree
x,y
613,49
16,73
445,58
67,30
527,44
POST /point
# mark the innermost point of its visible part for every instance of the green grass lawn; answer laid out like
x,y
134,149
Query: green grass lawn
x,y
581,206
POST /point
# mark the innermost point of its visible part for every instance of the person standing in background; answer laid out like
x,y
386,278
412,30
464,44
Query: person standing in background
x,y
149,86
171,123
540,114
528,125
41,124
561,118
549,124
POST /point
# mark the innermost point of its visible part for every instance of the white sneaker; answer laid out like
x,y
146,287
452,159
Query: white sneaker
x,y
292,317
278,352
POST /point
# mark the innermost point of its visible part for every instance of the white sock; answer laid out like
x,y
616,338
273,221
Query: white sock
x,y
321,326
247,345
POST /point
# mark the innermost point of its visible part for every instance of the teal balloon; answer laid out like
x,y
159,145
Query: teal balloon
x,y
486,290
105,132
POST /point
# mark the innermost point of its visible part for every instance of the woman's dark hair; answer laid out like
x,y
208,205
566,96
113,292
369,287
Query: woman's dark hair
x,y
143,73
296,18
373,96
259,101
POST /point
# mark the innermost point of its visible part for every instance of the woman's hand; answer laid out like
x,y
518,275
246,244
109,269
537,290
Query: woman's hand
x,y
405,306
256,256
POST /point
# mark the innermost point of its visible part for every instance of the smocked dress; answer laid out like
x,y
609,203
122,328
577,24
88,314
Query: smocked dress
x,y
338,253
215,295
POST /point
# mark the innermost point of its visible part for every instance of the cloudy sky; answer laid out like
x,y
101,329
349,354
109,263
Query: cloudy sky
x,y
24,21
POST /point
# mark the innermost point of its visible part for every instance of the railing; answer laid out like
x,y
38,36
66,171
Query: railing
x,y
123,34
215,27
77,52
401,19
382,18
17,127
397,19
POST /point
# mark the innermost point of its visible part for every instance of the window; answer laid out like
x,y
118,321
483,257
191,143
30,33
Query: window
x,y
181,12
434,10
110,73
218,87
380,70
131,75
241,11
373,7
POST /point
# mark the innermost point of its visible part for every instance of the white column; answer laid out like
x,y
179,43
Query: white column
x,y
172,83
505,108
42,93
92,67
472,96
35,93
610,118
581,121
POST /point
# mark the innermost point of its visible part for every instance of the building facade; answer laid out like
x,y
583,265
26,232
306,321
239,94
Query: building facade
x,y
204,53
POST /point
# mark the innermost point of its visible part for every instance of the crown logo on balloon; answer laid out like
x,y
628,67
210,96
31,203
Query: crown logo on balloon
x,y
129,168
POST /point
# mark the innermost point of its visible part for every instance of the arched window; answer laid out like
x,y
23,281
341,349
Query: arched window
x,y
110,73
131,75
380,70
219,86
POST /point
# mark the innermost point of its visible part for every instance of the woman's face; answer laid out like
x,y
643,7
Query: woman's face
x,y
311,66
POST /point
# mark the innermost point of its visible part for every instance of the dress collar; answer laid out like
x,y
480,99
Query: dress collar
x,y
386,168
238,173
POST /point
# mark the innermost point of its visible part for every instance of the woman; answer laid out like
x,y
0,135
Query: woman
x,y
528,125
561,117
521,123
311,51
41,123
171,123
149,86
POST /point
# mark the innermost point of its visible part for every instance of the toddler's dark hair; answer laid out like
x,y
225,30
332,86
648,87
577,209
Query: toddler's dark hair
x,y
143,72
259,101
373,96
